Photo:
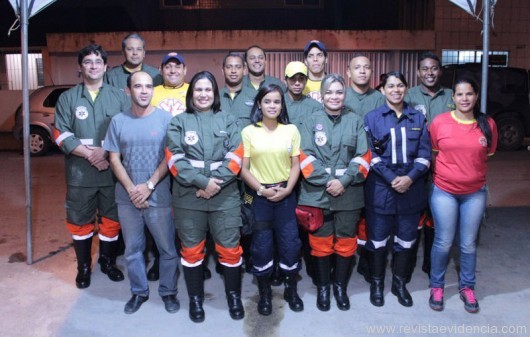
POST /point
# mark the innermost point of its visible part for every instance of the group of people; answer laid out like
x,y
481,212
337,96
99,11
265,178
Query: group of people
x,y
157,157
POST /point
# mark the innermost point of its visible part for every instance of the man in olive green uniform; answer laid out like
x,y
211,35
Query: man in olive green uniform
x,y
299,106
235,98
255,59
431,99
360,97
82,116
133,48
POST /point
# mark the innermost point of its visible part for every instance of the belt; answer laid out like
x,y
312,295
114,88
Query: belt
x,y
280,184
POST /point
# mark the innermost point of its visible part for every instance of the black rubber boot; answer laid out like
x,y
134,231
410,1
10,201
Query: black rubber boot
x,y
377,263
363,267
290,294
107,260
83,252
322,269
232,277
343,267
399,280
428,240
194,278
265,295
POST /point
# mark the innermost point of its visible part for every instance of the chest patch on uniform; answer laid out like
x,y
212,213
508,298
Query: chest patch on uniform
x,y
319,127
249,103
421,108
320,138
81,112
191,137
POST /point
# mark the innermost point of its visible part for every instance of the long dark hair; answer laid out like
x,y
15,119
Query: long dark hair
x,y
482,119
216,106
256,115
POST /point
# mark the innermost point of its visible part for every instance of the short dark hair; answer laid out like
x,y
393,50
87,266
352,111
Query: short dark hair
x,y
216,106
131,36
254,46
429,55
233,54
256,115
95,49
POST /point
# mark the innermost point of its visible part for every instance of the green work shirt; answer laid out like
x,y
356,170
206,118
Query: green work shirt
x,y
117,76
362,104
430,106
240,106
81,121
267,80
333,149
204,145
299,110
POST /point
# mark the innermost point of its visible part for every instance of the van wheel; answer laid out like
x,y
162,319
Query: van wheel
x,y
39,142
511,134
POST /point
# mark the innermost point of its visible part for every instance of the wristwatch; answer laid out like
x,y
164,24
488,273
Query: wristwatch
x,y
259,192
150,185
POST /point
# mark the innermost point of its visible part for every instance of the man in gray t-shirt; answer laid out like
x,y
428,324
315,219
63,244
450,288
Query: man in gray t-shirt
x,y
136,140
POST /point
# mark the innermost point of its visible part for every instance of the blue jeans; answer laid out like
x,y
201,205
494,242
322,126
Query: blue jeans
x,y
277,220
160,224
452,212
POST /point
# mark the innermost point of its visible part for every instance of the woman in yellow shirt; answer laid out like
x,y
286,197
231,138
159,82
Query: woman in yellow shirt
x,y
270,169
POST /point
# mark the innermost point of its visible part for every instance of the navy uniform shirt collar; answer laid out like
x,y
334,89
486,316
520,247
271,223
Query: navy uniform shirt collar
x,y
407,110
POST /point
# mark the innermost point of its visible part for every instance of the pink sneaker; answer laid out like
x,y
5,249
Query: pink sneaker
x,y
436,301
470,301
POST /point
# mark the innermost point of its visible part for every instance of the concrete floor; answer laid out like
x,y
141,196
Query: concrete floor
x,y
41,299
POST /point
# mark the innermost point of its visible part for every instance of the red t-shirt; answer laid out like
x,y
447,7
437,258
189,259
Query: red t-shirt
x,y
460,166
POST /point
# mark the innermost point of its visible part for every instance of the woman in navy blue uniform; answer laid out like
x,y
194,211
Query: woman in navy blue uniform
x,y
395,191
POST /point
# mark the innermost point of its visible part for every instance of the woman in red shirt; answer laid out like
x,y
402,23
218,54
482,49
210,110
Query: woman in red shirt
x,y
462,140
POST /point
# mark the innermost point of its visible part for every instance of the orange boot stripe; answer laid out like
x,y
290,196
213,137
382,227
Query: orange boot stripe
x,y
109,228
193,254
80,230
320,246
229,256
361,229
346,247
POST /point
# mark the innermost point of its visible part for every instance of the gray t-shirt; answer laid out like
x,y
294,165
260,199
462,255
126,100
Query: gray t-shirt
x,y
141,141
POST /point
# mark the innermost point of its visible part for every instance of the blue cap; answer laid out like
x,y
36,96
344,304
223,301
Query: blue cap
x,y
315,43
173,56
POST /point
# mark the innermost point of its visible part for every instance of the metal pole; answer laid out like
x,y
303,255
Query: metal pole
x,y
25,114
485,56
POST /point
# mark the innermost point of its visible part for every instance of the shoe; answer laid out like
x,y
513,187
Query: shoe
x,y
377,296
436,301
171,303
470,301
134,304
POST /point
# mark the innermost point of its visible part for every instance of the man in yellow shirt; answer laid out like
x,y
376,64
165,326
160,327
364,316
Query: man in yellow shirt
x,y
171,95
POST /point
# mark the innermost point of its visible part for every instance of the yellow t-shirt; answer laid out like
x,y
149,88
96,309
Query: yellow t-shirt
x,y
170,99
270,152
312,89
